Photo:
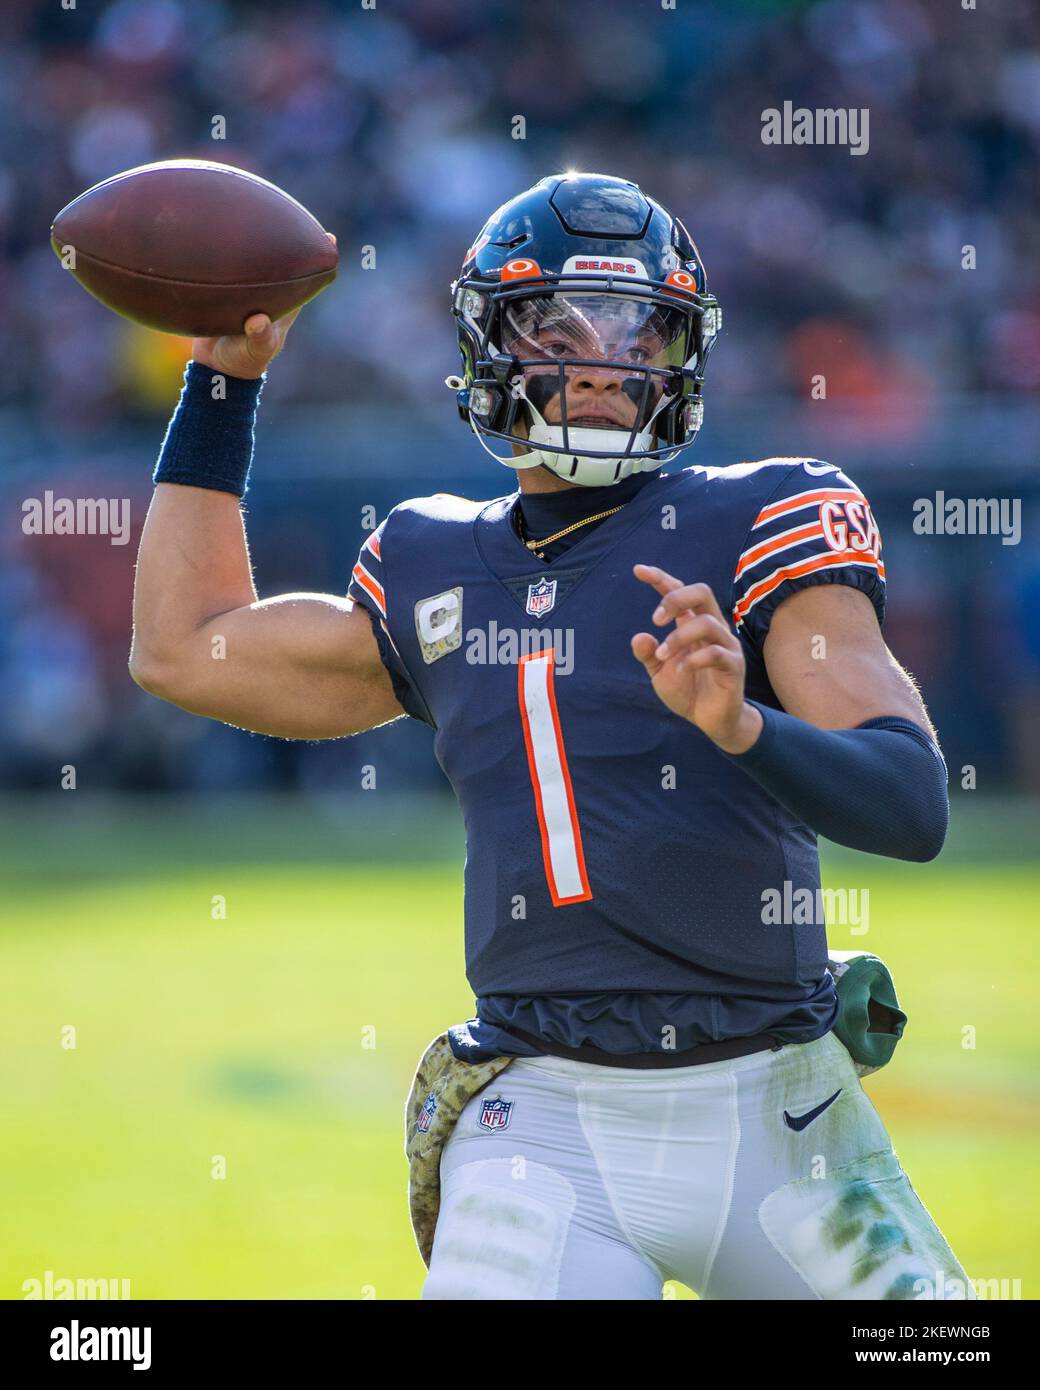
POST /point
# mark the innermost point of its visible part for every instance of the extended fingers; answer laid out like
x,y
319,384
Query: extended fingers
x,y
686,598
694,632
677,598
658,579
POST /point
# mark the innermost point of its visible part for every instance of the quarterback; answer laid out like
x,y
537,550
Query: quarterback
x,y
652,686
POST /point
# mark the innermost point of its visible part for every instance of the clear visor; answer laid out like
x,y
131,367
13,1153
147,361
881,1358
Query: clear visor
x,y
612,328
567,340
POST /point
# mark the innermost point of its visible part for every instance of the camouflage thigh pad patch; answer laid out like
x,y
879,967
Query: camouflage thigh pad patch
x,y
440,1092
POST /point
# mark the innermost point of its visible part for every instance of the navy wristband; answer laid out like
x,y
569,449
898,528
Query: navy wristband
x,y
880,787
209,442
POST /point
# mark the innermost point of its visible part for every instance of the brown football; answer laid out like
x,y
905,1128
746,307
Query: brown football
x,y
193,248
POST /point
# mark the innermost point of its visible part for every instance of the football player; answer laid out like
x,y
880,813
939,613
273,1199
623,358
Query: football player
x,y
651,687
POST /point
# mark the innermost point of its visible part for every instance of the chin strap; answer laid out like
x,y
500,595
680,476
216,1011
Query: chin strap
x,y
531,459
519,461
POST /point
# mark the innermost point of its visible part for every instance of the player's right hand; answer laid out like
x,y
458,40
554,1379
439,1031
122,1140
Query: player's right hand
x,y
246,354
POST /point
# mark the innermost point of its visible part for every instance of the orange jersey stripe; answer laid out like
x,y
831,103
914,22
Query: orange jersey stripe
x,y
773,581
370,586
373,544
806,499
759,552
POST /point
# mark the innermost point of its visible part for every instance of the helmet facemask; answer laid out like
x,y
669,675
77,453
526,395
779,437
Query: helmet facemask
x,y
594,381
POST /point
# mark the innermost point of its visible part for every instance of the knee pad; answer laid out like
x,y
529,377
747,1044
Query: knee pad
x,y
861,1232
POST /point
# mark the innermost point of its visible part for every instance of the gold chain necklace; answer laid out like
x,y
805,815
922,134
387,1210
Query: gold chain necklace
x,y
536,546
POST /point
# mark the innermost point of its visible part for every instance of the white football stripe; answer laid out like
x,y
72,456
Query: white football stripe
x,y
564,864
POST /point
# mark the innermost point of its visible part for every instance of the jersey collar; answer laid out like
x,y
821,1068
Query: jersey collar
x,y
506,556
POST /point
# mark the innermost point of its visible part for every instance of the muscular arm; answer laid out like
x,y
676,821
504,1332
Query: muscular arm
x,y
296,666
829,664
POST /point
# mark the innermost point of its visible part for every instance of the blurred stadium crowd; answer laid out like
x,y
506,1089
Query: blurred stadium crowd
x,y
396,126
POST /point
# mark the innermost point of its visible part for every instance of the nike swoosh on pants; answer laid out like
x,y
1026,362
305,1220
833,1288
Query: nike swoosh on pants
x,y
800,1121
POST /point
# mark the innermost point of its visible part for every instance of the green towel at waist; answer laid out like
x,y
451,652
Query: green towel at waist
x,y
870,1021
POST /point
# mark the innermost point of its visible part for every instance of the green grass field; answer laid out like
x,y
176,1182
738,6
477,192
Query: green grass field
x,y
283,1038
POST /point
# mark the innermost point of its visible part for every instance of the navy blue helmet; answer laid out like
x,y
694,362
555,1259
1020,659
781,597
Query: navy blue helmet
x,y
584,323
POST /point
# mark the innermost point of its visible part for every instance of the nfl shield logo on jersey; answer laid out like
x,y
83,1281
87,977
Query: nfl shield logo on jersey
x,y
541,597
427,1113
494,1113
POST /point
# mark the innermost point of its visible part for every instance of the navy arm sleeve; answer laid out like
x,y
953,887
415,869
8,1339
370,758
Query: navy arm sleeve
x,y
881,787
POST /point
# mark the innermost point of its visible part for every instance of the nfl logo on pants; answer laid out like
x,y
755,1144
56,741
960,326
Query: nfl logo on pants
x,y
494,1113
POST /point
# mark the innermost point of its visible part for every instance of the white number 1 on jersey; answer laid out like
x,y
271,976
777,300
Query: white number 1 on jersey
x,y
553,795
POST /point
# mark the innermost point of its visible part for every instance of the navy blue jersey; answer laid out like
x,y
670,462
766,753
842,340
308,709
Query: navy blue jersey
x,y
611,847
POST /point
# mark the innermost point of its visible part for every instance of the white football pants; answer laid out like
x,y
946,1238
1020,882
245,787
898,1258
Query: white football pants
x,y
604,1182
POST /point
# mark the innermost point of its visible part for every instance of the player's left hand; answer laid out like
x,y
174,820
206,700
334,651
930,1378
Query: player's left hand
x,y
698,668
